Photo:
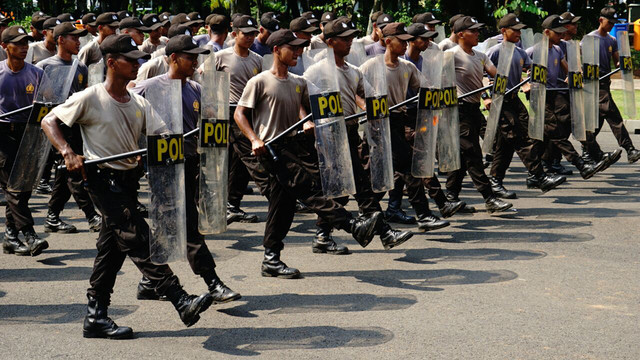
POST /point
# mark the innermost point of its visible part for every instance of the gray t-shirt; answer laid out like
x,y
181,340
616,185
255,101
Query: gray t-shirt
x,y
275,102
240,70
90,53
18,89
447,44
317,43
608,46
554,70
149,47
399,79
469,71
351,83
191,91
40,52
82,73
374,49
3,54
519,61
154,67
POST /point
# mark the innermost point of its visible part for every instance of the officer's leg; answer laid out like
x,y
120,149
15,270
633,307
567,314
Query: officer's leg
x,y
81,196
502,154
238,181
614,118
59,197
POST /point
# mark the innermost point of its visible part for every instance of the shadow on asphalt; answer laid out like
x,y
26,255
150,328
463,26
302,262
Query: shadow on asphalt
x,y
54,314
582,212
72,273
423,280
513,237
519,224
302,304
69,255
252,341
436,255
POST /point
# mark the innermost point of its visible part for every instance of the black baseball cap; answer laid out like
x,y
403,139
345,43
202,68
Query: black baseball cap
x,y
285,37
38,13
569,16
269,21
301,24
66,17
339,28
133,23
184,44
420,30
89,19
124,45
398,30
426,18
38,21
123,14
309,15
554,23
467,23
511,21
218,21
67,28
326,17
180,19
180,29
108,18
50,23
454,18
4,21
195,18
152,21
165,18
245,23
15,33
383,20
375,15
609,13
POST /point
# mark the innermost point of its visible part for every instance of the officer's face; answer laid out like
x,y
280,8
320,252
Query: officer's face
x,y
554,37
136,35
396,46
91,29
431,27
187,63
107,30
124,67
511,35
420,43
70,43
37,35
245,40
155,34
606,24
572,30
288,54
341,45
48,35
470,37
17,50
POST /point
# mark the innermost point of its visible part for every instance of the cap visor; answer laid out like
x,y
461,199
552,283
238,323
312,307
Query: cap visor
x,y
21,37
576,19
196,50
298,42
314,21
78,32
248,29
136,54
165,22
310,29
114,23
518,26
429,34
144,28
349,33
92,24
476,26
434,22
194,22
559,30
156,26
405,37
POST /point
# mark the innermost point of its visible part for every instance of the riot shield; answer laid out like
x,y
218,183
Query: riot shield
x,y
334,159
538,92
429,113
626,64
526,38
212,147
448,126
590,69
29,58
499,88
267,62
34,148
85,40
197,76
165,160
576,90
357,55
378,130
537,37
96,73
441,34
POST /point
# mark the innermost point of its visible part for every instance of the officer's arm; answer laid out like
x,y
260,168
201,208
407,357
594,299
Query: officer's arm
x,y
307,126
616,58
51,128
491,70
241,118
564,66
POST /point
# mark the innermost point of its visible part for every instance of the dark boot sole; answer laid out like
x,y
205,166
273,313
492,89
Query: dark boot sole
x,y
398,242
453,212
92,335
12,252
224,301
323,251
432,228
37,251
493,211
202,307
293,276
55,230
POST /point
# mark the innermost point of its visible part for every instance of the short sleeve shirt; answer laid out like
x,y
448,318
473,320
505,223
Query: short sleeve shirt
x,y
519,61
152,68
90,53
608,46
554,70
82,73
149,47
351,85
469,71
18,89
240,70
260,48
399,79
447,44
40,52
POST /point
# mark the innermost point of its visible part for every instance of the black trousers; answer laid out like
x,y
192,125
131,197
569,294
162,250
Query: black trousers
x,y
513,135
198,253
608,111
124,233
65,185
241,147
557,124
295,176
17,213
238,174
471,120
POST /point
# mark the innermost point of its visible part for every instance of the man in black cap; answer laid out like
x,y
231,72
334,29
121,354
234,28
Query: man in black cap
x,y
154,41
470,66
123,14
218,31
107,24
4,23
274,99
608,108
89,23
183,53
513,124
134,28
47,48
111,120
374,36
452,40
318,41
268,24
67,38
19,81
165,18
303,29
195,21
379,46
37,21
427,19
66,17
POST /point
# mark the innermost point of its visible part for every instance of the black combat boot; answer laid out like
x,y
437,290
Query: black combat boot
x,y
391,238
633,155
493,204
610,158
235,214
429,222
272,266
34,243
323,243
95,223
188,306
499,190
465,209
220,292
54,224
544,182
395,214
97,324
147,291
12,244
588,169
363,228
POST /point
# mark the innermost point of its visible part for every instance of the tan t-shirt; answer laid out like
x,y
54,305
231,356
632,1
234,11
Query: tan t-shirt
x,y
40,52
275,102
3,54
446,44
108,127
469,71
399,80
351,84
148,47
240,70
317,43
152,68
90,53
159,53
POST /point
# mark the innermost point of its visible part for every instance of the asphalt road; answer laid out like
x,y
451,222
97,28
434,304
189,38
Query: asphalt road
x,y
558,279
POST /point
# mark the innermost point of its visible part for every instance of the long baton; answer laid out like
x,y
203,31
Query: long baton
x,y
17,111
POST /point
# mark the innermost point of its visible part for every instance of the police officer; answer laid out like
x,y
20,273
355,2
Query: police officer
x,y
18,85
275,97
319,41
134,28
67,39
268,24
47,48
379,46
218,31
452,40
107,24
513,124
37,20
88,21
111,120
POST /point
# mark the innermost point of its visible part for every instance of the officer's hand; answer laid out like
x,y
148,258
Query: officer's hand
x,y
487,103
308,127
526,87
258,148
75,162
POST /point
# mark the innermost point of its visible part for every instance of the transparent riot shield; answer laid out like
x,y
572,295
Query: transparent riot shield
x,y
85,40
576,91
212,147
441,34
96,73
448,126
34,148
537,37
377,128
526,38
429,114
267,62
357,55
538,92
499,89
165,160
29,58
334,159
626,64
590,69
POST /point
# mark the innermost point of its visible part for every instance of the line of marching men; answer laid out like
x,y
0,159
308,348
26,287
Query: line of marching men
x,y
269,68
